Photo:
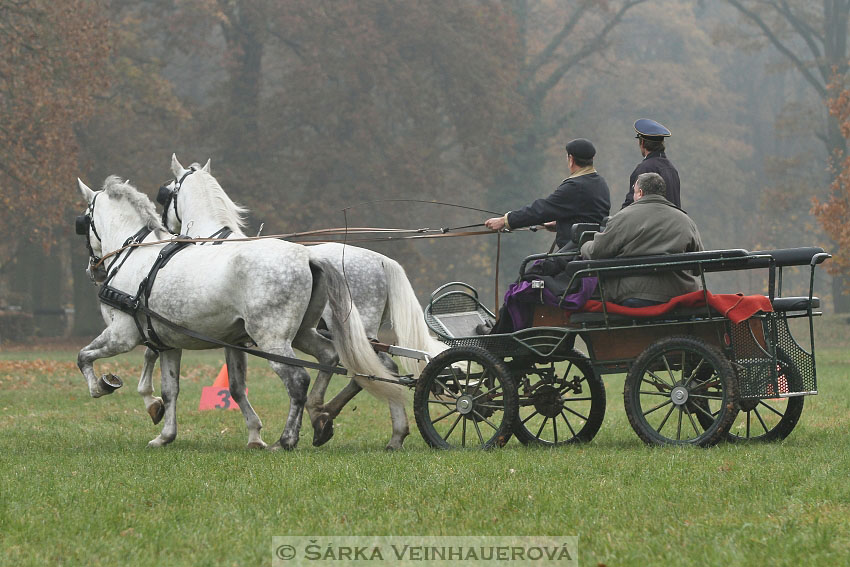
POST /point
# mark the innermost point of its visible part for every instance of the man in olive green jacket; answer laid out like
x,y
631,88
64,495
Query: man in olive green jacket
x,y
651,225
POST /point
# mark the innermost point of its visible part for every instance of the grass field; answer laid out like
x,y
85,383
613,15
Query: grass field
x,y
79,487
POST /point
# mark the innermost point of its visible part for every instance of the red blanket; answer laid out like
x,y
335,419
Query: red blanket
x,y
735,307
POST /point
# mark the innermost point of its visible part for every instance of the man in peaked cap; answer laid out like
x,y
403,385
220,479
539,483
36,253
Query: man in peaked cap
x,y
650,136
581,197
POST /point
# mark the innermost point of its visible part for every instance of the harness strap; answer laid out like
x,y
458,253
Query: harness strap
x,y
256,352
222,234
146,286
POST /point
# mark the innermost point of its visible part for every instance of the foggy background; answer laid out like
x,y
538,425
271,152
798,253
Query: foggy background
x,y
306,107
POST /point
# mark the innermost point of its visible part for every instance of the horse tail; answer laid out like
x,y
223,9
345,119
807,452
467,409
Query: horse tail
x,y
405,313
349,338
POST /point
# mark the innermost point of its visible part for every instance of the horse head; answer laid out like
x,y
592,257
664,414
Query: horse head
x,y
195,204
113,216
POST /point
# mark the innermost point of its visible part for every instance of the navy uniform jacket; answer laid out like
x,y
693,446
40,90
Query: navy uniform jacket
x,y
580,198
656,162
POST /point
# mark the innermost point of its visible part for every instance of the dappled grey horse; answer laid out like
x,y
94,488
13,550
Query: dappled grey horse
x,y
248,292
199,208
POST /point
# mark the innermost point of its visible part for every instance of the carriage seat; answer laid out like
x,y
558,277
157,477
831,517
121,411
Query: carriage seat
x,y
786,304
710,260
683,314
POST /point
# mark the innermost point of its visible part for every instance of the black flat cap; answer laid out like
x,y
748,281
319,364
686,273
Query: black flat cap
x,y
581,148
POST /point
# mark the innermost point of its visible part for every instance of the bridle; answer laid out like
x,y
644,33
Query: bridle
x,y
84,226
167,196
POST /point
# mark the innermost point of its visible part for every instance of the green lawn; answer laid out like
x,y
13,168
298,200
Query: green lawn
x,y
79,487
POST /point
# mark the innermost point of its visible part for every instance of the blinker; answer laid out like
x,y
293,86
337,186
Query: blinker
x,y
82,224
163,196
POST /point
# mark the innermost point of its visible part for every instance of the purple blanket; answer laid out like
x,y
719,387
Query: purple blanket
x,y
521,298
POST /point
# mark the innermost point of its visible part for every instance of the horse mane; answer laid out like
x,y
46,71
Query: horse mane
x,y
224,210
122,190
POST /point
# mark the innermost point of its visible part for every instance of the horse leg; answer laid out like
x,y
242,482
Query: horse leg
x,y
310,341
169,365
333,407
236,372
400,428
113,340
153,404
296,380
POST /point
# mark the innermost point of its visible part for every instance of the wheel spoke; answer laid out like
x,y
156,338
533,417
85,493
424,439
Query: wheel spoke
x,y
535,412
706,384
706,397
555,428
654,393
694,372
567,421
478,430
574,412
758,416
691,418
542,425
679,426
667,366
452,428
442,402
445,388
663,421
705,411
494,393
463,434
445,415
773,409
659,406
485,420
659,383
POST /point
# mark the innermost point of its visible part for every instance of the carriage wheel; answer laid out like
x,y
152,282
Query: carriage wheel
x,y
465,397
674,381
770,419
560,409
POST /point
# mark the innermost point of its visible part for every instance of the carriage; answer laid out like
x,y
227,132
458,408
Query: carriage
x,y
702,369
693,375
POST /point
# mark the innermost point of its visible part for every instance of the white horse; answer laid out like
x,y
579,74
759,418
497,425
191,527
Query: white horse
x,y
379,288
249,292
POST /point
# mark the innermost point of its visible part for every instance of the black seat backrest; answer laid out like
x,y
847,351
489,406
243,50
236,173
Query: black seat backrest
x,y
720,260
792,256
581,227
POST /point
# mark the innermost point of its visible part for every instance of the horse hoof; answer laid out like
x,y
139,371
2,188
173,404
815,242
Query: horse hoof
x,y
159,441
323,430
257,445
108,383
156,410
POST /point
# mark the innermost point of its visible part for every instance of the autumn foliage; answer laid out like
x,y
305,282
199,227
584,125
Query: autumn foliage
x,y
52,57
834,212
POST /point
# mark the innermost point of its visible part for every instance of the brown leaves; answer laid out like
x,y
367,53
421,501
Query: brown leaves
x,y
52,57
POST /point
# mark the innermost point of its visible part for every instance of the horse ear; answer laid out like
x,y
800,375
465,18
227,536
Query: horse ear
x,y
177,169
88,194
206,167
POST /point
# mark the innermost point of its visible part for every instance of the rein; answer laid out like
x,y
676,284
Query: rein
x,y
309,237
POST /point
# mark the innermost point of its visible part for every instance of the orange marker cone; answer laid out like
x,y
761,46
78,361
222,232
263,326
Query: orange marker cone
x,y
222,380
217,396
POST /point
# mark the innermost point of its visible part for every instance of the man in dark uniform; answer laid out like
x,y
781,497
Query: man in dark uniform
x,y
650,136
582,197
